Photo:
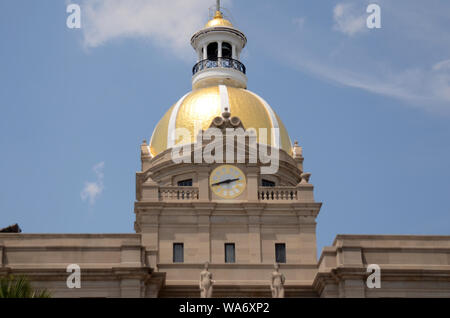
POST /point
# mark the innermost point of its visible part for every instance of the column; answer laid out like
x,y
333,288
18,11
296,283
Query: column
x,y
219,49
205,52
234,55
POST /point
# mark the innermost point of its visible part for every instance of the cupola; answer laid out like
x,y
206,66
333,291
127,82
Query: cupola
x,y
218,46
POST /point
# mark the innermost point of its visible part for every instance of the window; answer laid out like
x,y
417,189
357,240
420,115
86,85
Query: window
x,y
267,183
185,183
178,252
212,51
280,253
230,256
227,50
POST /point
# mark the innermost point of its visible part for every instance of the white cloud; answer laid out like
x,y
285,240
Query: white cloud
x,y
385,65
418,87
92,190
441,77
441,66
169,24
405,60
348,19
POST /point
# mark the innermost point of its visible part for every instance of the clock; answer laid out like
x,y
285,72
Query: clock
x,y
227,182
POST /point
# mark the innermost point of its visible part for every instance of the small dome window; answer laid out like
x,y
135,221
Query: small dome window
x,y
268,183
227,50
185,183
213,50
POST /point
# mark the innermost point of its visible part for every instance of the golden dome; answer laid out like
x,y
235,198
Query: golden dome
x,y
202,105
218,21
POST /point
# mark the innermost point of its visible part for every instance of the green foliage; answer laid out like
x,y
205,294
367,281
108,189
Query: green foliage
x,y
20,287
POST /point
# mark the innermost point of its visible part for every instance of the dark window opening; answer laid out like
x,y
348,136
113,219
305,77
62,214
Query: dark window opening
x,y
267,183
213,50
185,183
227,50
280,253
230,256
178,252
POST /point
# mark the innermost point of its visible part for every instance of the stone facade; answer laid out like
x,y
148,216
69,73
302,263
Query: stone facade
x,y
411,266
142,264
176,208
167,214
111,265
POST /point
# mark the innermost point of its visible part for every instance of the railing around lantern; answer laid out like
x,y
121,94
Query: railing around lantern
x,y
277,194
178,193
224,62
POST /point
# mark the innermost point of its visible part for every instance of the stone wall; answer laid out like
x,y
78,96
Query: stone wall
x,y
411,266
111,265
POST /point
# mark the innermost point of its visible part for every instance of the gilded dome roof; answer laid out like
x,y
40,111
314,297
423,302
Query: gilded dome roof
x,y
218,21
202,105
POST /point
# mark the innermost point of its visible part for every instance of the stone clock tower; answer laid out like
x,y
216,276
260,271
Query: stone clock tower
x,y
228,214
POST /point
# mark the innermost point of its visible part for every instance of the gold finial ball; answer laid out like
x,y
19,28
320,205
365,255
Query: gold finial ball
x,y
218,21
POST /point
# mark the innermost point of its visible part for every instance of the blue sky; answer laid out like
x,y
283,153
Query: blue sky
x,y
370,107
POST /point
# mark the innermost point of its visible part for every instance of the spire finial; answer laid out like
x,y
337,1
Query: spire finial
x,y
218,5
218,14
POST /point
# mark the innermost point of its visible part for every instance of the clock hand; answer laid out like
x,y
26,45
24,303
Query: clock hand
x,y
229,181
225,182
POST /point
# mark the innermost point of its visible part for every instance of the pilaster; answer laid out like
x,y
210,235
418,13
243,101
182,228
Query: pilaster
x,y
203,183
307,239
252,183
204,232
305,193
254,233
150,191
149,229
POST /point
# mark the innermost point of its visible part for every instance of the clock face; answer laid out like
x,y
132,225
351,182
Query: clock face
x,y
228,182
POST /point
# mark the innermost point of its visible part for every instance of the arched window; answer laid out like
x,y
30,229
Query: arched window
x,y
185,183
268,183
227,50
213,50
